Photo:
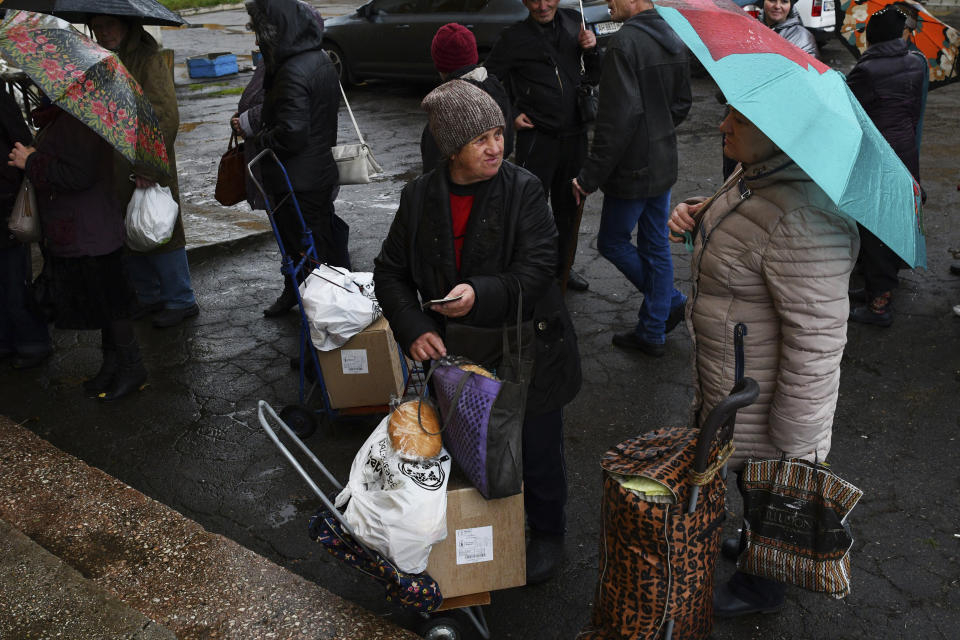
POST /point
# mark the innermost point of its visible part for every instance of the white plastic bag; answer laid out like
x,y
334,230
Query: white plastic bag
x,y
151,216
396,506
338,304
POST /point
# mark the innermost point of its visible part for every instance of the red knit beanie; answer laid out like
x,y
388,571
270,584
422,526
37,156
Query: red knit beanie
x,y
454,47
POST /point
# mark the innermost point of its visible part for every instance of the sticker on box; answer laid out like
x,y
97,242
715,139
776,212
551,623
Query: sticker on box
x,y
475,545
354,361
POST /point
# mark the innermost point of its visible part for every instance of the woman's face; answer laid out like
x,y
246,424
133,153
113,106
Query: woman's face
x,y
743,141
109,31
775,11
479,159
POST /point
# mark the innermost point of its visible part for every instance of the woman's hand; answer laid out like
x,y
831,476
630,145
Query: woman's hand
x,y
457,308
19,154
681,220
429,346
235,124
578,192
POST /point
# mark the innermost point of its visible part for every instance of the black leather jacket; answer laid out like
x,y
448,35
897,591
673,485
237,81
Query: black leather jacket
x,y
301,96
644,95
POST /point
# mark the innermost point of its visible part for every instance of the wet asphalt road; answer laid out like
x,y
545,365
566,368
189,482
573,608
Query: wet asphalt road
x,y
192,440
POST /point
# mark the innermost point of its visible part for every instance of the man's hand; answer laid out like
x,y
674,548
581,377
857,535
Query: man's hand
x,y
457,308
19,154
429,346
522,122
586,39
578,192
681,220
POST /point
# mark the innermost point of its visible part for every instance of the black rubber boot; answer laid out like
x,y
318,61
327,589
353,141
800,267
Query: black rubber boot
x,y
107,373
131,374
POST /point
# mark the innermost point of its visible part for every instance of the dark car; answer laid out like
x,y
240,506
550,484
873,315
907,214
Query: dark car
x,y
391,38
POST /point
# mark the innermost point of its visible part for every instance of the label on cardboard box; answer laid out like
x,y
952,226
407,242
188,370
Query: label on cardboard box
x,y
354,361
474,545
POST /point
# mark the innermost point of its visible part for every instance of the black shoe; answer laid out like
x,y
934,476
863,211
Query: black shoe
x,y
955,269
577,282
629,340
676,315
32,360
131,374
864,314
858,296
105,377
730,548
727,605
283,304
172,317
544,557
144,310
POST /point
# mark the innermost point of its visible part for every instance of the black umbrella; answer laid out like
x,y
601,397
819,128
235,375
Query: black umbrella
x,y
146,11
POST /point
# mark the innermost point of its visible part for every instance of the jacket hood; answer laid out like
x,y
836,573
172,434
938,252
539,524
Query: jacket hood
x,y
889,49
137,39
285,28
652,24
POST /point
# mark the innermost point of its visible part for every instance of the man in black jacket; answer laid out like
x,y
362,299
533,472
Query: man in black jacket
x,y
299,122
644,95
542,60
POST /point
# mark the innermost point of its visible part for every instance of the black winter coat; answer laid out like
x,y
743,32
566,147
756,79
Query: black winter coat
x,y
301,96
539,85
888,80
644,95
12,129
510,238
430,153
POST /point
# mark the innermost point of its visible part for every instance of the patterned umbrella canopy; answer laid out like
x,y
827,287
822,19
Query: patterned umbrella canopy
x,y
146,11
88,82
937,41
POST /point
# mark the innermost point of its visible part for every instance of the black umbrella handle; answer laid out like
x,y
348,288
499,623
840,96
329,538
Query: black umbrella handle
x,y
721,419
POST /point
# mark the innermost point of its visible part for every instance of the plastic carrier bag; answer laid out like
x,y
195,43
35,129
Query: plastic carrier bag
x,y
338,304
151,216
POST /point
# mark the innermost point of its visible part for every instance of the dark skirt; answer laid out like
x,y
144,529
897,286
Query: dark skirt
x,y
89,292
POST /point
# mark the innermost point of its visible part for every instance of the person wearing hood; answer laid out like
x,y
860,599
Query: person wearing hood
x,y
644,95
782,17
161,277
454,54
890,82
299,122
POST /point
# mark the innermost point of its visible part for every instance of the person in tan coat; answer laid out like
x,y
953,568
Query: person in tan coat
x,y
771,253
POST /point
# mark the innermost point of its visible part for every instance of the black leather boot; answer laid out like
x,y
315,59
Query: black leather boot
x,y
131,374
283,304
544,557
105,376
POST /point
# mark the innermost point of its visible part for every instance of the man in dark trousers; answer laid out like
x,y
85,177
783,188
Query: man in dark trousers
x,y
542,60
644,95
299,122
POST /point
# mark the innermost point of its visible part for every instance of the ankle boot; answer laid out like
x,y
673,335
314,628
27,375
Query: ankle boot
x,y
131,374
108,371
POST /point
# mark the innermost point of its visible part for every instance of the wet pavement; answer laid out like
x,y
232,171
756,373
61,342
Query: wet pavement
x,y
192,440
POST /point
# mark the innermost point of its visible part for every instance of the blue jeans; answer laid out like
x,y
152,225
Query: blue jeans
x,y
21,331
162,278
649,265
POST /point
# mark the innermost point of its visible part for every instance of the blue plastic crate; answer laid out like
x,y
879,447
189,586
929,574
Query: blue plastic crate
x,y
212,65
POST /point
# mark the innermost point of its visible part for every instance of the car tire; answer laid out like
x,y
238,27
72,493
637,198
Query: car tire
x,y
339,62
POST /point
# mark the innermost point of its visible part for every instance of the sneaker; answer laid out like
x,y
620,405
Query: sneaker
x,y
630,340
172,317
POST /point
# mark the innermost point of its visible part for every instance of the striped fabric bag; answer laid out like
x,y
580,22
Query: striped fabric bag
x,y
796,527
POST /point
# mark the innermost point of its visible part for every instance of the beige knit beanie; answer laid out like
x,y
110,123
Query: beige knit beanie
x,y
458,112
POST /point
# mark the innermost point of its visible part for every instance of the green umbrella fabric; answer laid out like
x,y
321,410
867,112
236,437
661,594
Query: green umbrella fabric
x,y
87,81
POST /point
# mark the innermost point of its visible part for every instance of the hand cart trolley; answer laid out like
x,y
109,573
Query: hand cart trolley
x,y
297,266
662,509
329,528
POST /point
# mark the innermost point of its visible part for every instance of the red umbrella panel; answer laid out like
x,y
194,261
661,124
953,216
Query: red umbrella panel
x,y
89,82
938,42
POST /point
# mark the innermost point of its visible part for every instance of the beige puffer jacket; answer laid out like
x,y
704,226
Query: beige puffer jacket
x,y
778,261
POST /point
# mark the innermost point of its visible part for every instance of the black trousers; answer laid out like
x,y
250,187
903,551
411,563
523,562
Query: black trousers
x,y
880,264
330,233
545,473
556,161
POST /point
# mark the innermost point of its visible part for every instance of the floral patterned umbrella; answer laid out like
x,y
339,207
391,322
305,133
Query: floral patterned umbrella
x,y
88,82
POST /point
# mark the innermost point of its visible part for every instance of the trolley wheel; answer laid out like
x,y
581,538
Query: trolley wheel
x,y
443,628
302,420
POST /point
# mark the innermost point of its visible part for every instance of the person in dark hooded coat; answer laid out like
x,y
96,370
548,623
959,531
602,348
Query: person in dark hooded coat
x,y
299,122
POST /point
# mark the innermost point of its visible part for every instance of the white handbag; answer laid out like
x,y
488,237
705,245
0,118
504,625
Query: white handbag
x,y
355,162
24,222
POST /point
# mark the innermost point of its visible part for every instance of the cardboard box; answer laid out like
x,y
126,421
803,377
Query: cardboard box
x,y
365,371
485,548
212,65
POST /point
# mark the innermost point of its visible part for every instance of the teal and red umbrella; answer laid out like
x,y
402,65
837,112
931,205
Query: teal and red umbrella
x,y
88,82
806,109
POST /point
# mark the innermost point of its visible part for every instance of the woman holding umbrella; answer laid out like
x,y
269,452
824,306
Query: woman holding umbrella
x,y
772,253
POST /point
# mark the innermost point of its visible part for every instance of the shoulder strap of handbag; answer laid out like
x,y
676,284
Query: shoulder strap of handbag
x,y
350,111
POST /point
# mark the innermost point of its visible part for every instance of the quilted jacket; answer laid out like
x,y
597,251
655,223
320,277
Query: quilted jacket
x,y
775,255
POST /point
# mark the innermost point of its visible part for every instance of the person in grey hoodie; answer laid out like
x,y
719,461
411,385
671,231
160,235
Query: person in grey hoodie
x,y
644,95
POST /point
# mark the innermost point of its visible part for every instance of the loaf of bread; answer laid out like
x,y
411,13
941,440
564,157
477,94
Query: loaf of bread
x,y
406,435
477,369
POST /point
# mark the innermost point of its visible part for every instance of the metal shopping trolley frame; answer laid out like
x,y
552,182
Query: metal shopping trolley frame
x,y
297,266
432,627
